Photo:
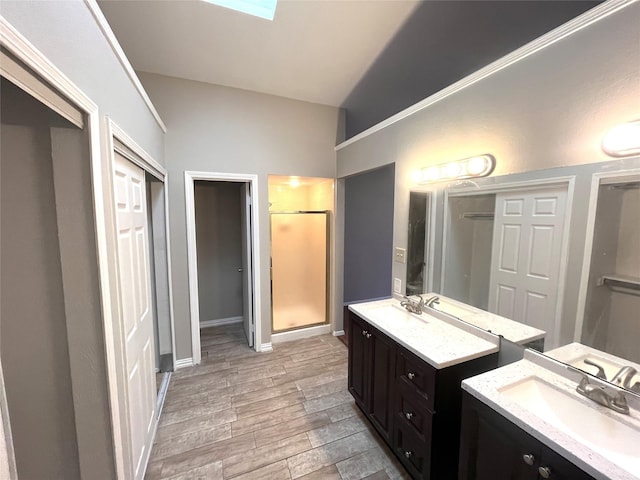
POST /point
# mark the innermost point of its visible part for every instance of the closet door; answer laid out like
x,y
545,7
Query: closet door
x,y
134,275
525,267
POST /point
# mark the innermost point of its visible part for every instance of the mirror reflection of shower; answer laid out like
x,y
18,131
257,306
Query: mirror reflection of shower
x,y
300,213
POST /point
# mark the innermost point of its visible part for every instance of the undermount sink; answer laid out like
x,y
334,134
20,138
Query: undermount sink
x,y
608,434
455,310
391,310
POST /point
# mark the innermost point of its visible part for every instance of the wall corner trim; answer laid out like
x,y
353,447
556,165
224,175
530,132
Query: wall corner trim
x,y
266,347
591,16
122,58
183,363
338,333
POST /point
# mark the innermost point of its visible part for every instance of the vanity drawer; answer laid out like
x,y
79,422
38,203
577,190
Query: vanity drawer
x,y
417,374
413,450
412,410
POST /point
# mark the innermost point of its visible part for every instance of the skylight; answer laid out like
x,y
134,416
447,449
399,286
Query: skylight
x,y
259,8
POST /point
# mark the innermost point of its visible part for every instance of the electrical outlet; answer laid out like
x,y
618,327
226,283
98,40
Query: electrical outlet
x,y
397,286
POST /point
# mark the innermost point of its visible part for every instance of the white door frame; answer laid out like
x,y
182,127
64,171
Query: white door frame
x,y
597,180
567,182
192,255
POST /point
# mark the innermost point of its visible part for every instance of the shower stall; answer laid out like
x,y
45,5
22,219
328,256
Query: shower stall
x,y
299,269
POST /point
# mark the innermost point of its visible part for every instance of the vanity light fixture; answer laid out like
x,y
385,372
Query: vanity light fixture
x,y
473,167
623,140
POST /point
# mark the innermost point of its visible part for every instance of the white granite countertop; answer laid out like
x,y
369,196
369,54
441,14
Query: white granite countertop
x,y
612,466
513,331
439,340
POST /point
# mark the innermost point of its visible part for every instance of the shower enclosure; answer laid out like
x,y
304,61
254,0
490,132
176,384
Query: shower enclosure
x,y
299,269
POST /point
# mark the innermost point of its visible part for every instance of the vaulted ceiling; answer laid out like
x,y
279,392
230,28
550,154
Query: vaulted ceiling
x,y
371,57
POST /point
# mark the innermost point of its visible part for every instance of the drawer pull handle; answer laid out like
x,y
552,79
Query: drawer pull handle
x,y
544,472
411,376
528,459
364,333
408,454
368,335
408,415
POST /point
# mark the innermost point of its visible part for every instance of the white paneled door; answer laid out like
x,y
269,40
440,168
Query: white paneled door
x,y
137,321
526,257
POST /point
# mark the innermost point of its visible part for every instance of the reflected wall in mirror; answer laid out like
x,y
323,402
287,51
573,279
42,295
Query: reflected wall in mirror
x,y
555,249
417,243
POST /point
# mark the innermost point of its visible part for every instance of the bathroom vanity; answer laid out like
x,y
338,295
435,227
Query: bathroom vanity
x,y
527,421
405,372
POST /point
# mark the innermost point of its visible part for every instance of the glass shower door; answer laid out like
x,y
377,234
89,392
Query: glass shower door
x,y
299,256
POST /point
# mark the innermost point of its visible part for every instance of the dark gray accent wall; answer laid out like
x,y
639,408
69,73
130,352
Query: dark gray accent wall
x,y
441,43
368,234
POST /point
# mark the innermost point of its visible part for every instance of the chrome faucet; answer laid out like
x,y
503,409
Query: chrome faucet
x,y
413,305
600,373
615,400
624,377
435,300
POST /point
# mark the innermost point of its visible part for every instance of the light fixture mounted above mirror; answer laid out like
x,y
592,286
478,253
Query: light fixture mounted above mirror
x,y
623,140
473,167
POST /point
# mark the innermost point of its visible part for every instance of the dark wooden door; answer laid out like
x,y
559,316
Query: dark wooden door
x,y
383,359
358,364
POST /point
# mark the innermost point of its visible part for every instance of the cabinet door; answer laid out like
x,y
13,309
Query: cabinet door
x,y
358,351
559,468
501,456
382,354
492,448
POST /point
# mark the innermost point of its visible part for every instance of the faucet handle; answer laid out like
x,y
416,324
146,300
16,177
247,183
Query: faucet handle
x,y
619,403
600,373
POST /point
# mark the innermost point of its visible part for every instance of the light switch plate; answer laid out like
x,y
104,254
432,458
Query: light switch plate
x,y
399,255
397,286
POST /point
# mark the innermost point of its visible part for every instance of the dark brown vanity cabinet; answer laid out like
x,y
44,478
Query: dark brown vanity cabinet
x,y
371,373
414,406
493,448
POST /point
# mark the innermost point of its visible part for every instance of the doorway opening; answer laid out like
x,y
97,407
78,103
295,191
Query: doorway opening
x,y
516,236
223,247
610,287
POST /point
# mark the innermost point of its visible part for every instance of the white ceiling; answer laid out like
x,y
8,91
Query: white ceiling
x,y
314,50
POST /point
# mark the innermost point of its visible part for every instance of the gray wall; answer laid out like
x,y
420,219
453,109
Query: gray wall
x,y
412,65
219,244
68,35
548,110
226,130
368,227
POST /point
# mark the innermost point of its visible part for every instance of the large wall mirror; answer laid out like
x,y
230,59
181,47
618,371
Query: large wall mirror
x,y
556,249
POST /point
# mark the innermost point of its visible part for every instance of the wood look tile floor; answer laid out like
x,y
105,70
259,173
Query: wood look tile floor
x,y
280,415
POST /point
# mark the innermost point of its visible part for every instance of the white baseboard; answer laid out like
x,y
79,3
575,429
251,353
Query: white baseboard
x,y
300,334
266,347
220,321
338,333
183,363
